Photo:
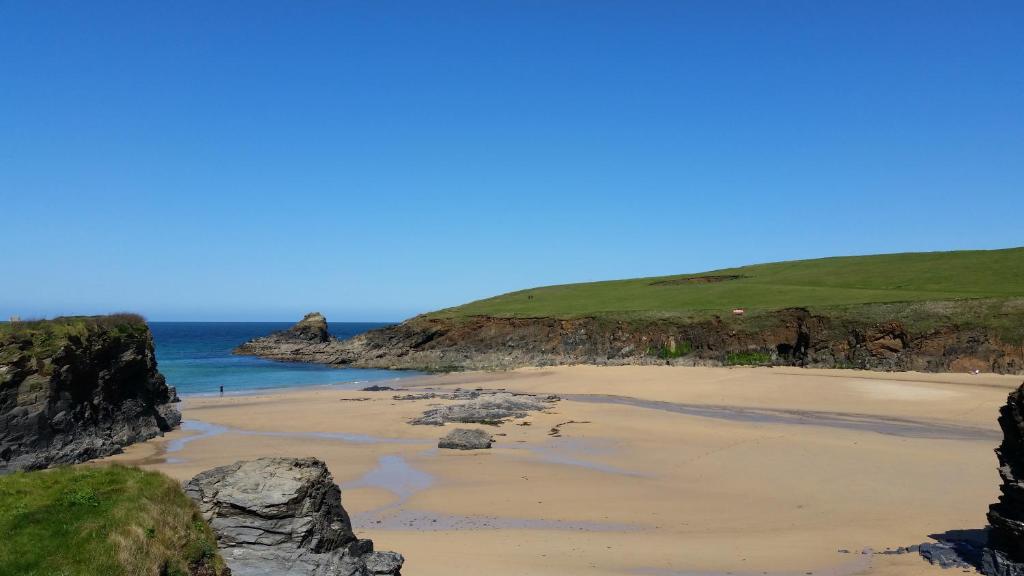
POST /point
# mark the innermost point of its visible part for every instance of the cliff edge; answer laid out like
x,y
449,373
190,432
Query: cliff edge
x,y
77,388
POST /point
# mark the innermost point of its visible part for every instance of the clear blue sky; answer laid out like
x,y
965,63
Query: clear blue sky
x,y
255,160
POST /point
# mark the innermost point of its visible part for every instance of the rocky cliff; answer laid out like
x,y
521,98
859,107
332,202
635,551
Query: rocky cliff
x,y
881,337
1004,555
73,389
283,517
306,341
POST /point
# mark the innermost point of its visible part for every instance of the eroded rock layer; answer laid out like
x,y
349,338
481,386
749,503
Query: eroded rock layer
x,y
73,389
931,337
1004,555
283,517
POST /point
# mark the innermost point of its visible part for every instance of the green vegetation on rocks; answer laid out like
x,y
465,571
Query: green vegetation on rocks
x,y
101,521
47,336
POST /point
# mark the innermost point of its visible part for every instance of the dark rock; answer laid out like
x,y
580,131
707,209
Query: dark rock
x,y
283,517
307,341
376,388
74,389
466,439
943,554
1005,551
484,408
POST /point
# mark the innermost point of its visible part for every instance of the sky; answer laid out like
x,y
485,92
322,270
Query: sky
x,y
252,160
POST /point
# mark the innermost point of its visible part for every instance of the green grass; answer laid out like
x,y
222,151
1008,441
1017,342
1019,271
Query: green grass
x,y
747,359
45,337
100,521
828,283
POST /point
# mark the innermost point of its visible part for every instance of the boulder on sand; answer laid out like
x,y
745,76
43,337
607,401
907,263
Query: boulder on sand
x,y
466,439
283,517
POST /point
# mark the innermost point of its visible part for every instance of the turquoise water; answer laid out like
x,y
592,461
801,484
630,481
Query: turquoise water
x,y
196,358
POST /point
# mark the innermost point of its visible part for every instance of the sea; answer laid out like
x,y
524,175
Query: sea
x,y
196,358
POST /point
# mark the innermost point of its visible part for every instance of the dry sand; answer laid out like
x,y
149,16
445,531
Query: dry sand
x,y
675,470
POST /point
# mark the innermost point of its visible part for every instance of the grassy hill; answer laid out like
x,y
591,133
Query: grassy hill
x,y
827,283
101,521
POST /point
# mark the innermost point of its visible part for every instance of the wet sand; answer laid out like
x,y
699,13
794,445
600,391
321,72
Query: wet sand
x,y
667,471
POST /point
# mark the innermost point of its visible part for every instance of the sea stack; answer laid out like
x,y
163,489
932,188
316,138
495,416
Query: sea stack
x,y
283,517
77,388
1004,555
307,341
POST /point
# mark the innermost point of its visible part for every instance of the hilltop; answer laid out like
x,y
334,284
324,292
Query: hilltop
x,y
938,311
811,284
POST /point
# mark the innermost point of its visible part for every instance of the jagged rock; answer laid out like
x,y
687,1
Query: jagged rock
x,y
283,517
1004,554
465,439
491,408
312,328
307,341
378,388
78,388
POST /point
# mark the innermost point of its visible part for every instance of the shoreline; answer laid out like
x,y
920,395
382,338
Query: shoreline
x,y
424,379
631,488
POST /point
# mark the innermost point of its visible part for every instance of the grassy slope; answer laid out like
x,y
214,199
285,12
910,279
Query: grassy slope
x,y
102,521
829,283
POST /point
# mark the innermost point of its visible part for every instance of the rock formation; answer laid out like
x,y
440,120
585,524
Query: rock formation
x,y
283,517
483,408
795,337
73,389
466,439
1004,555
306,341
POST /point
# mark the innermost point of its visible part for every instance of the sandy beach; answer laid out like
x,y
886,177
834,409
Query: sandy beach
x,y
663,470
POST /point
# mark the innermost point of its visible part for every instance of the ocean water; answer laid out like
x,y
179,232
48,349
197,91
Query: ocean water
x,y
196,358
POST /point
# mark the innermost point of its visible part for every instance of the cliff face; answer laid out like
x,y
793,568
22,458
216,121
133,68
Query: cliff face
x,y
1004,555
794,337
73,389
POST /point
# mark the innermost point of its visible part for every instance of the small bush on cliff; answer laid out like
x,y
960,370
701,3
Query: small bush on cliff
x,y
102,520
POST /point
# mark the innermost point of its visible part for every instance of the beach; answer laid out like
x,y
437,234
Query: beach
x,y
653,469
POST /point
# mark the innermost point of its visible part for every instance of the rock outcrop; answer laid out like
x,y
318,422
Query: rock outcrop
x,y
482,408
283,517
1004,555
466,439
306,341
74,389
928,337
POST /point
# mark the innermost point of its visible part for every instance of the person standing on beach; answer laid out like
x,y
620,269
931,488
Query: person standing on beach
x,y
221,389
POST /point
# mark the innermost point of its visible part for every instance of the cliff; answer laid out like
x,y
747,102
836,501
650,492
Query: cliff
x,y
77,388
1004,554
933,337
936,311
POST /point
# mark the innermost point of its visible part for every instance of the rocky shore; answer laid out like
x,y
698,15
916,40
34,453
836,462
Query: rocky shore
x,y
74,389
283,517
933,342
